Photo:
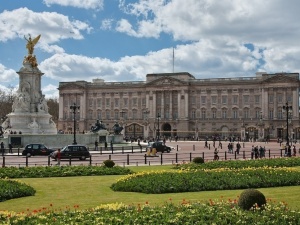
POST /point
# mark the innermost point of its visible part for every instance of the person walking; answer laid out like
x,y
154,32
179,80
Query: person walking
x,y
10,148
96,145
58,156
2,148
105,145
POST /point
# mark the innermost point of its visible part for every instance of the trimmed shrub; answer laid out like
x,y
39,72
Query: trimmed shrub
x,y
251,197
198,160
109,163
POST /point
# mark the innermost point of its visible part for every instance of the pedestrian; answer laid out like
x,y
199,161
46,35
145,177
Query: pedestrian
x,y
96,145
2,148
105,145
58,156
10,147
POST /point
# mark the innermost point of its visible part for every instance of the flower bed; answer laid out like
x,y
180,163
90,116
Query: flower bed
x,y
276,162
63,171
211,212
10,189
206,180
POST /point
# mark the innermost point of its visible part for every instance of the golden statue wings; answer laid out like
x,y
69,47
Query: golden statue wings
x,y
31,43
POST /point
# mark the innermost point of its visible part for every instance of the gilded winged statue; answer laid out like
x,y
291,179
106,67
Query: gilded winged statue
x,y
31,43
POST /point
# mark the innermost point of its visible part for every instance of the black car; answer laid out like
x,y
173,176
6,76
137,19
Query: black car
x,y
159,146
36,149
73,151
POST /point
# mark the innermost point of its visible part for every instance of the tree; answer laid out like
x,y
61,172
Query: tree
x,y
53,108
6,101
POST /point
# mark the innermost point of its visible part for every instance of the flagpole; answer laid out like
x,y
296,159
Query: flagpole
x,y
173,59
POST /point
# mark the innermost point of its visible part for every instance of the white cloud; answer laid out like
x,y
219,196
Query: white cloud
x,y
106,24
85,4
53,27
7,75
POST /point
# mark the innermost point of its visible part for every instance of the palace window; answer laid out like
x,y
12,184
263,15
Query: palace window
x,y
224,99
99,102
224,113
116,102
235,99
203,114
214,114
235,114
203,100
214,100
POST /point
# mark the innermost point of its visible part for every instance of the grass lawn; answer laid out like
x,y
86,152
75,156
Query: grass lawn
x,y
91,191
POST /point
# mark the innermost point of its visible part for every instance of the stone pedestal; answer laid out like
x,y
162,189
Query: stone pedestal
x,y
29,110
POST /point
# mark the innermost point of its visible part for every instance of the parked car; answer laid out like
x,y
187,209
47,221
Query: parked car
x,y
36,149
74,151
159,146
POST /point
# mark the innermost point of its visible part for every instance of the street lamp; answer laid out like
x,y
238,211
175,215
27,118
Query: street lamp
x,y
73,109
288,109
157,133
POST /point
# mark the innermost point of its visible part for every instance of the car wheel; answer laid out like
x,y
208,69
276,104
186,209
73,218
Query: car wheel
x,y
28,154
168,151
82,158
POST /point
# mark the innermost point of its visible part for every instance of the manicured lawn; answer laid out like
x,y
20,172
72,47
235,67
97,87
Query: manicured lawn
x,y
92,191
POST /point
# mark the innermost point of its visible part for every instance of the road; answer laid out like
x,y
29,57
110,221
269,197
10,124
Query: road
x,y
183,151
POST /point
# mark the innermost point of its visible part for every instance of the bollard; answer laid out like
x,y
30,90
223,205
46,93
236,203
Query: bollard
x,y
203,155
70,160
281,152
190,157
269,153
127,159
48,160
109,157
161,159
90,160
177,148
234,154
176,157
26,161
209,146
3,161
112,150
225,155
244,155
146,159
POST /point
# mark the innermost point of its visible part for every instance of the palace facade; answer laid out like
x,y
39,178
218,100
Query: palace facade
x,y
170,104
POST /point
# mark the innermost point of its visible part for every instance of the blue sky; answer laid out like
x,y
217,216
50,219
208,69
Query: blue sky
x,y
123,40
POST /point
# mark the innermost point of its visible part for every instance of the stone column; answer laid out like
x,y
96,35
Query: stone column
x,y
186,103
171,106
162,106
179,108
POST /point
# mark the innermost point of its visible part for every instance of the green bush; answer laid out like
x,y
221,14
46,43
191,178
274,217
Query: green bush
x,y
198,160
10,189
251,197
109,163
63,171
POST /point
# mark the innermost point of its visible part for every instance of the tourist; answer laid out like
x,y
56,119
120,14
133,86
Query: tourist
x,y
96,145
10,148
2,148
58,156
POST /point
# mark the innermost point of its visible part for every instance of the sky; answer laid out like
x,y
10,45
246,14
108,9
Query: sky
x,y
124,40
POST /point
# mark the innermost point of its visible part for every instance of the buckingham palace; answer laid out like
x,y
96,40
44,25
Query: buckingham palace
x,y
178,104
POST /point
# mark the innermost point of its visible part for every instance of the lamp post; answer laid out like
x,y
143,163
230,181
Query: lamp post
x,y
73,109
157,133
288,109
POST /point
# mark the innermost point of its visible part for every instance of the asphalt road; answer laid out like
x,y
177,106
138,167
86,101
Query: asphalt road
x,y
183,151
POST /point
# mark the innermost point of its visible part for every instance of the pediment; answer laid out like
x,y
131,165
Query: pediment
x,y
166,81
281,78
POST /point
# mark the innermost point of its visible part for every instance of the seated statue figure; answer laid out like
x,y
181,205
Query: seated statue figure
x,y
98,126
117,128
